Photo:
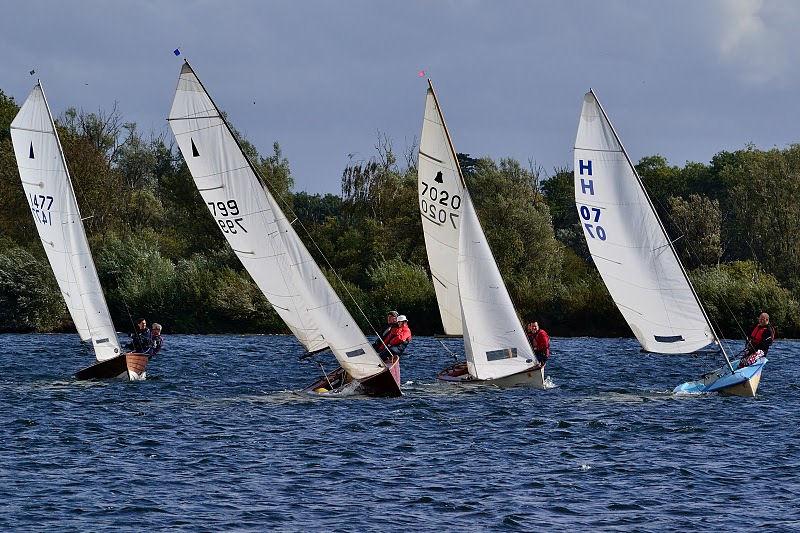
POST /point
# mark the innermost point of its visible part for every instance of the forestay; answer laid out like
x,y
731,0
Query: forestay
x,y
242,208
629,244
48,189
495,343
441,194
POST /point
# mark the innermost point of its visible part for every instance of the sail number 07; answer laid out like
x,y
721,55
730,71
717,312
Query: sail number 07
x,y
594,230
435,204
227,210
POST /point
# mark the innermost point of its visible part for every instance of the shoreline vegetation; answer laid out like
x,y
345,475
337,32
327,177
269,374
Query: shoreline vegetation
x,y
736,222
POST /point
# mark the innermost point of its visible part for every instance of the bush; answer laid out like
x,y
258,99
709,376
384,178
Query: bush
x,y
738,292
30,299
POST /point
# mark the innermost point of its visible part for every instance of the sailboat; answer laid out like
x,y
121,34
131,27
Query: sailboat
x,y
48,188
637,260
268,247
473,299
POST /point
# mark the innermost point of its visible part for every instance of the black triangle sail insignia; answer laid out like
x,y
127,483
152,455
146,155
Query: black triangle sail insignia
x,y
30,156
195,153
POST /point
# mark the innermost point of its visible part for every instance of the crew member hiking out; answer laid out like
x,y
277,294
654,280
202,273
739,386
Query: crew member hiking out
x,y
540,341
395,340
759,341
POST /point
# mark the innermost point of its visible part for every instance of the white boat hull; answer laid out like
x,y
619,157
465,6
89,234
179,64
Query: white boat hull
x,y
457,374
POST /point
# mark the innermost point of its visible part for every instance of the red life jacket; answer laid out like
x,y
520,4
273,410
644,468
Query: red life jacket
x,y
398,335
540,341
758,334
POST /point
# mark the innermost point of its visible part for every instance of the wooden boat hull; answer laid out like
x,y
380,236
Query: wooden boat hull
x,y
129,366
458,374
743,382
385,383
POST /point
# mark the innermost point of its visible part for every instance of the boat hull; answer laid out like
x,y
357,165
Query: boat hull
x,y
129,366
743,382
458,374
385,383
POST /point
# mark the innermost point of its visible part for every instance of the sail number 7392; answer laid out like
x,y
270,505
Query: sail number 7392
x,y
436,204
225,214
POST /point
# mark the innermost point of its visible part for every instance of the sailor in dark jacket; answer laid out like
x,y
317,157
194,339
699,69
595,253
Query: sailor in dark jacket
x,y
156,340
140,338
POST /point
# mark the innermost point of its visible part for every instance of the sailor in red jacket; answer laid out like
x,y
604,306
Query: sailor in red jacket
x,y
540,341
395,340
759,341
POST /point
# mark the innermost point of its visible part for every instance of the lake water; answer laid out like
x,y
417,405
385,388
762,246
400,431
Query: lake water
x,y
218,438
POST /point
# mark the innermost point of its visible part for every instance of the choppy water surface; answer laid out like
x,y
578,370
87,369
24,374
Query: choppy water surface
x,y
218,439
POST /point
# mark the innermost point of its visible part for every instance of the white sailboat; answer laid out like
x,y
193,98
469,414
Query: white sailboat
x,y
48,188
473,299
637,259
266,243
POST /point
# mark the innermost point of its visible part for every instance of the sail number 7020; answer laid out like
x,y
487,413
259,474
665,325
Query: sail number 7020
x,y
227,211
436,203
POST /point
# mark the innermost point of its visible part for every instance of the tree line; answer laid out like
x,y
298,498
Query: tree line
x,y
159,254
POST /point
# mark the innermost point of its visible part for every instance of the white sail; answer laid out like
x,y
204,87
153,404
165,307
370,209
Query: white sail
x,y
260,235
242,208
495,343
351,348
629,244
49,192
441,194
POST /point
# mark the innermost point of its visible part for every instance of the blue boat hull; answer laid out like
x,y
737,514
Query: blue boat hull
x,y
743,382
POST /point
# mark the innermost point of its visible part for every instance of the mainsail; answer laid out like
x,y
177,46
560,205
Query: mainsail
x,y
49,191
494,342
473,300
260,234
441,195
629,245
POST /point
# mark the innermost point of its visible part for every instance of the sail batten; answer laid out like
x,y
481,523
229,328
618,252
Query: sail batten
x,y
639,265
51,197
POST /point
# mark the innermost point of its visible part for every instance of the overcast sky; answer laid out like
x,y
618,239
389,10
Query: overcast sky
x,y
683,79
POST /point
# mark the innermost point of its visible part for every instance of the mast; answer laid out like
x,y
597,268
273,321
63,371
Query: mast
x,y
664,231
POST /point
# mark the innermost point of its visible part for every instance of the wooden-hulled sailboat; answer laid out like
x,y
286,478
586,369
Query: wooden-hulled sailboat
x,y
637,259
48,188
266,243
473,299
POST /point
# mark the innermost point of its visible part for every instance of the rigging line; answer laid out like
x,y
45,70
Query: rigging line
x,y
285,202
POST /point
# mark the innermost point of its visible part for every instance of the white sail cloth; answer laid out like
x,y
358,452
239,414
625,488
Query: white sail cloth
x,y
49,192
495,343
239,204
441,195
629,246
260,235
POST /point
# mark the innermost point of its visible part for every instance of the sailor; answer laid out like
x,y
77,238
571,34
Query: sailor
x,y
395,342
759,341
156,340
540,341
140,338
391,319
